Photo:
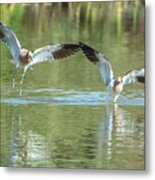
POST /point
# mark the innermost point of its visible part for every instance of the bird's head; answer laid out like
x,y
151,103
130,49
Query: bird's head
x,y
117,81
118,85
24,52
25,55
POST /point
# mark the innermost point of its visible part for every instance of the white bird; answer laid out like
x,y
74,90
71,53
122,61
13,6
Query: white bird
x,y
114,86
26,58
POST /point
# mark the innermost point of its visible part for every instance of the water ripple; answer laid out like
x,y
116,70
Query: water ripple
x,y
73,97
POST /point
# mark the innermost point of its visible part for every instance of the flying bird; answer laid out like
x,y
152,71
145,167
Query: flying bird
x,y
26,58
114,85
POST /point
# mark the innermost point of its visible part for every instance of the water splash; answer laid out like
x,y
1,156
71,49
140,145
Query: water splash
x,y
21,81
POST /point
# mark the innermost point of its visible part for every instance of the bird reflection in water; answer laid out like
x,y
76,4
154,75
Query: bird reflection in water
x,y
26,147
116,140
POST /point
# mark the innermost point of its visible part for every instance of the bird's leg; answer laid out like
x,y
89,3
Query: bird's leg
x,y
21,81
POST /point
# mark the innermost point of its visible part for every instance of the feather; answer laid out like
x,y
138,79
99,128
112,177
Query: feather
x,y
134,76
53,52
100,61
11,41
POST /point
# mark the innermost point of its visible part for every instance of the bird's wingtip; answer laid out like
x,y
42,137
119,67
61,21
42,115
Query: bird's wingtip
x,y
141,79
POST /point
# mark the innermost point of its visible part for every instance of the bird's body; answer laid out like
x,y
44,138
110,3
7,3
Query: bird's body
x,y
114,86
26,58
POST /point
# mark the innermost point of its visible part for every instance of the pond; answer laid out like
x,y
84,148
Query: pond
x,y
62,119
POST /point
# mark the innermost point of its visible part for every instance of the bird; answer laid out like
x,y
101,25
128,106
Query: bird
x,y
114,86
26,58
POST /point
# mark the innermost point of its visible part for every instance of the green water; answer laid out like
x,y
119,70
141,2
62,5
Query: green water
x,y
62,119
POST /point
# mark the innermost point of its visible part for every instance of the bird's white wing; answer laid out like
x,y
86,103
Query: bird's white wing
x,y
100,61
11,41
134,76
53,52
105,68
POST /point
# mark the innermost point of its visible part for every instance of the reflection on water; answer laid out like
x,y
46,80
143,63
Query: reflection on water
x,y
63,118
113,138
27,148
116,139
